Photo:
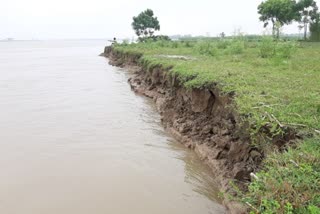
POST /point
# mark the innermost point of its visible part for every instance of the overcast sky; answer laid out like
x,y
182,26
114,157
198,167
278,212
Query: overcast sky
x,y
66,19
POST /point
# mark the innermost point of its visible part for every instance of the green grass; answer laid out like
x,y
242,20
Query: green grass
x,y
289,183
277,90
287,88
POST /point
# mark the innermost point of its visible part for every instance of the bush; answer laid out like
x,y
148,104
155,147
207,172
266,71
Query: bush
x,y
280,49
223,44
154,38
286,49
236,47
162,43
252,44
125,42
266,47
174,44
206,48
187,44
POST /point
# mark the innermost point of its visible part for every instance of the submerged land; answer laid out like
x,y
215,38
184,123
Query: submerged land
x,y
249,108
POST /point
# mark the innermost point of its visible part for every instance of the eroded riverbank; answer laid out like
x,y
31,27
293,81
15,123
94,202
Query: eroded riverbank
x,y
201,119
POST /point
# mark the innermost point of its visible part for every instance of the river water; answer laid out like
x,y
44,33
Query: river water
x,y
76,140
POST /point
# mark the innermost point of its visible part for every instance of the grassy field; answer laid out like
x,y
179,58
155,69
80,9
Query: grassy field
x,y
277,85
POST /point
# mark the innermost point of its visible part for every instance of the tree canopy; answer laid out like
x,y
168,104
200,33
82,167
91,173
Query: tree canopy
x,y
308,10
315,27
145,24
279,13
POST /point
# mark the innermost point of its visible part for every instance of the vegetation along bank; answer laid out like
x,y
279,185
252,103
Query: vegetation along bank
x,y
250,110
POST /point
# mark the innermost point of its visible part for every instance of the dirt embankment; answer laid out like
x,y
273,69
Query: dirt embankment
x,y
201,119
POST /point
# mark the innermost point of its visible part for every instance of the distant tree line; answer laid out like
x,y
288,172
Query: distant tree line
x,y
275,12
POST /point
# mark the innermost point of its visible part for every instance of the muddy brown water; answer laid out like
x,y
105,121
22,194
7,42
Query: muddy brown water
x,y
76,140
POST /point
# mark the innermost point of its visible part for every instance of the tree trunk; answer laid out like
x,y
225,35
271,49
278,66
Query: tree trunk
x,y
273,28
305,30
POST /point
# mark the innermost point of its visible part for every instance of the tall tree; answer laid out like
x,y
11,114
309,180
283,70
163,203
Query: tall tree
x,y
145,24
279,13
307,10
315,27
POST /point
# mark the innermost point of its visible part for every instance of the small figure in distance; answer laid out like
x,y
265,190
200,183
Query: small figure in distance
x,y
114,41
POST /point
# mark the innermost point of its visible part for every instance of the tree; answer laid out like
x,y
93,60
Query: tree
x,y
300,27
145,24
315,27
307,10
279,12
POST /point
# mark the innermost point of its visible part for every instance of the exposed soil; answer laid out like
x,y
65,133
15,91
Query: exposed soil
x,y
201,119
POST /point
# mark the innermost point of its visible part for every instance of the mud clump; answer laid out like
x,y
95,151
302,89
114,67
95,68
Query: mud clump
x,y
201,119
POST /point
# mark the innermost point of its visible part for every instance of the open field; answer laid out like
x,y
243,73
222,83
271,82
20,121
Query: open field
x,y
276,86
287,88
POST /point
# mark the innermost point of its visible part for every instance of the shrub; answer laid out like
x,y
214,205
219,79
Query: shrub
x,y
125,42
161,43
162,37
174,44
188,44
252,44
280,49
266,47
223,44
154,38
286,49
236,47
206,48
